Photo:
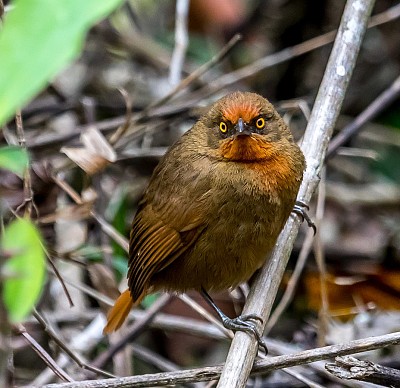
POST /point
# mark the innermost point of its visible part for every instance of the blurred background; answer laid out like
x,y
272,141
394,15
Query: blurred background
x,y
349,286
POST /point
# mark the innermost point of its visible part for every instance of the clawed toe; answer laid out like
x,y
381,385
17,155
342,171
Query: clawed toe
x,y
300,208
241,323
253,317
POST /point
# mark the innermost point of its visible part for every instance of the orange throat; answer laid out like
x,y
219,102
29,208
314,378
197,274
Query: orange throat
x,y
251,148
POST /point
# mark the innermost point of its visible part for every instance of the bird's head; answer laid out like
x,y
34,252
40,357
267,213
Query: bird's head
x,y
244,126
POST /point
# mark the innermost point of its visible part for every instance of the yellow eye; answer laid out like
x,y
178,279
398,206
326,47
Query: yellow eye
x,y
223,127
260,123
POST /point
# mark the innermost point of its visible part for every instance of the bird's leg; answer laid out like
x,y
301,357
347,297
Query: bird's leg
x,y
240,323
300,208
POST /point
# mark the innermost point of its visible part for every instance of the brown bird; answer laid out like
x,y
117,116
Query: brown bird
x,y
214,206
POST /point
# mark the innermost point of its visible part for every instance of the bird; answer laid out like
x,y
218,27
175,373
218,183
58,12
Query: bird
x,y
214,206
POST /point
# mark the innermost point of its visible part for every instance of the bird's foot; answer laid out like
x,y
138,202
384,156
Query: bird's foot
x,y
244,323
240,323
300,208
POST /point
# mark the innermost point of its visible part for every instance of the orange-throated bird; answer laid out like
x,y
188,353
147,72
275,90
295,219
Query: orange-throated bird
x,y
214,206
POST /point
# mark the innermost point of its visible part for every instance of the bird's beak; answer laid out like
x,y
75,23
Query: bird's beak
x,y
241,128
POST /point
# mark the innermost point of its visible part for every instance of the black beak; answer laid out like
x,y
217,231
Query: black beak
x,y
241,128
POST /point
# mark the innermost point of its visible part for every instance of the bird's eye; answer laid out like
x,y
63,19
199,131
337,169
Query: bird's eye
x,y
260,123
223,127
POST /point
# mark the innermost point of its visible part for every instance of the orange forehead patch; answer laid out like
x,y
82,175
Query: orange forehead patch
x,y
240,109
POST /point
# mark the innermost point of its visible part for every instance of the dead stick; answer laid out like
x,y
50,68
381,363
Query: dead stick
x,y
262,366
350,368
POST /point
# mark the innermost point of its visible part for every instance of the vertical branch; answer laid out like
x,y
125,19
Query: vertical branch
x,y
319,130
181,41
28,192
319,253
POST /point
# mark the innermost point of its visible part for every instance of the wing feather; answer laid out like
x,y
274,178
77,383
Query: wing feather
x,y
154,245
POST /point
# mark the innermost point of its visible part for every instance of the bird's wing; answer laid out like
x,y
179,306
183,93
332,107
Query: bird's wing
x,y
155,243
153,246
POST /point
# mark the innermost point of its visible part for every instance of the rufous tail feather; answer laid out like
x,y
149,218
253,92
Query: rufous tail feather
x,y
118,313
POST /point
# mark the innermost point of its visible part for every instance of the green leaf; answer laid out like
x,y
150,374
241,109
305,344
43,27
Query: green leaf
x,y
24,272
38,39
14,159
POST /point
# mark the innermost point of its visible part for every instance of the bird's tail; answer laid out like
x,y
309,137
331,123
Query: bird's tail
x,y
118,313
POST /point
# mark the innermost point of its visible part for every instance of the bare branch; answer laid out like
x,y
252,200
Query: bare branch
x,y
82,342
105,226
181,41
319,130
262,366
349,368
50,331
128,118
43,354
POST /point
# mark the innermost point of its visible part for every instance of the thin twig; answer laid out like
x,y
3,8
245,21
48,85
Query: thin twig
x,y
60,279
43,354
83,342
197,73
105,226
153,358
278,348
319,130
158,361
261,366
50,331
166,322
205,314
110,231
302,378
370,112
68,189
128,118
89,291
181,41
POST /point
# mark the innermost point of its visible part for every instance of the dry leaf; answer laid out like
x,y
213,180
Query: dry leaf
x,y
381,289
96,153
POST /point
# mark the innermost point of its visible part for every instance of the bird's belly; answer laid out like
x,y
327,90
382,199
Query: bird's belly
x,y
228,252
246,212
